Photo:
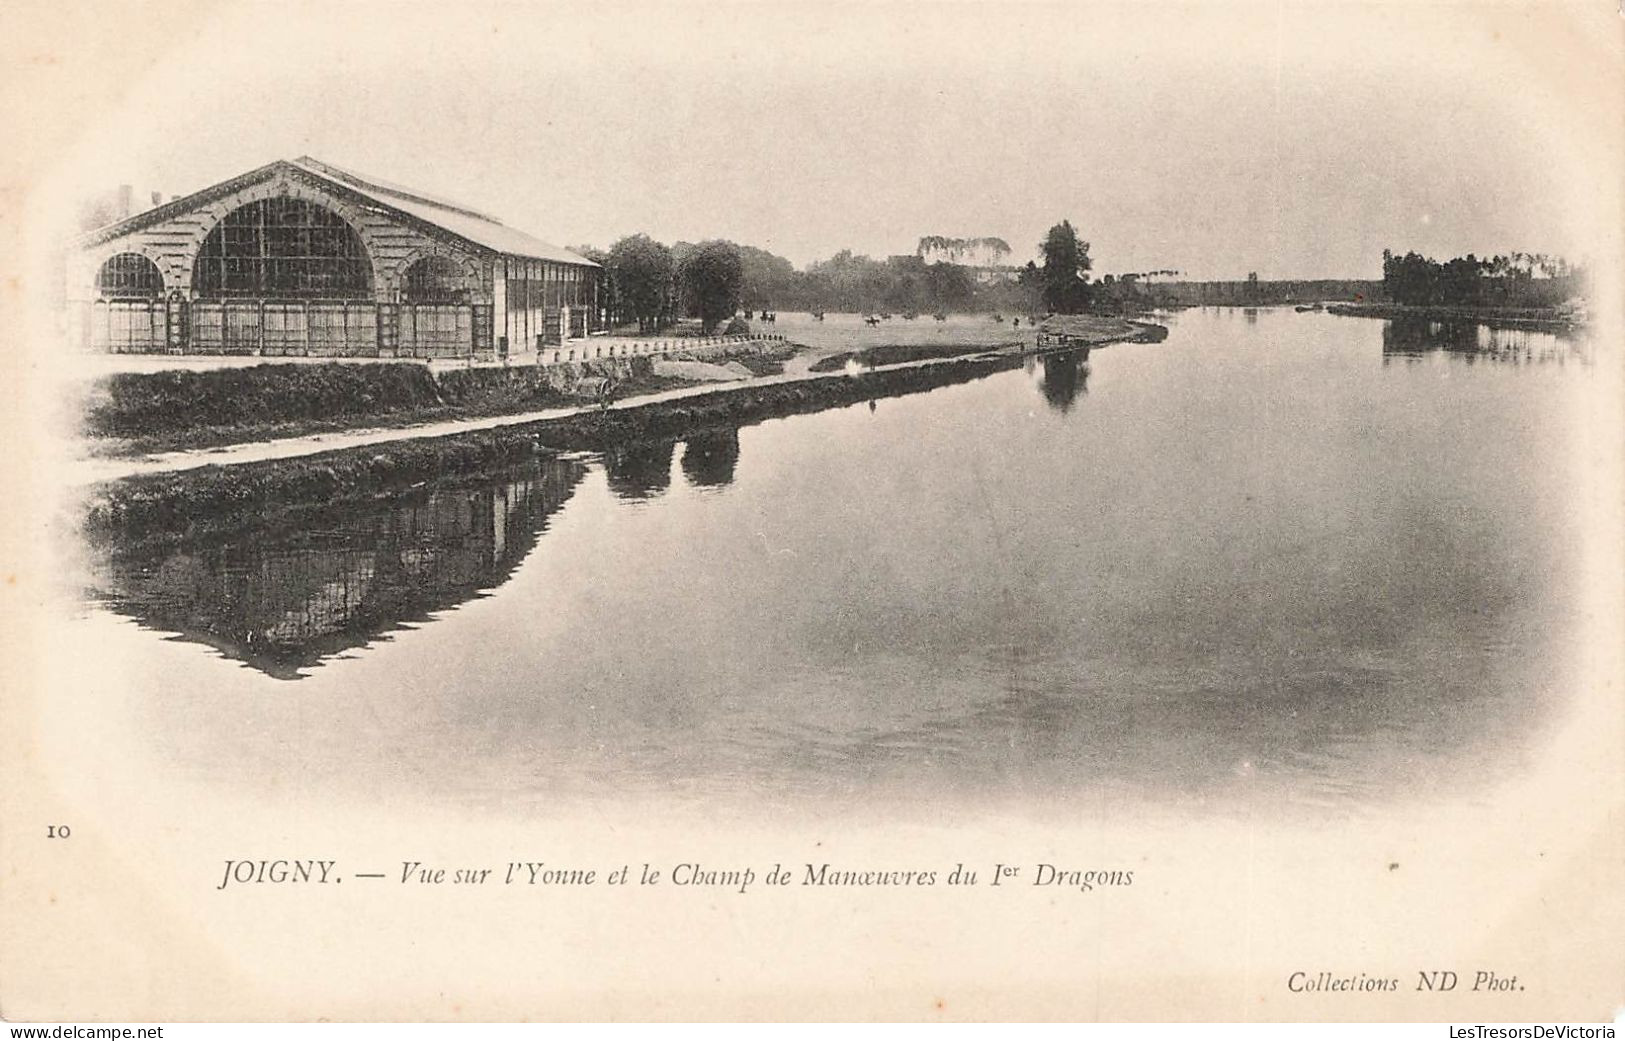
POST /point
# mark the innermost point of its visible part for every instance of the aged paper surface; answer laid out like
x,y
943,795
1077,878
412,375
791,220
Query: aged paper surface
x,y
135,915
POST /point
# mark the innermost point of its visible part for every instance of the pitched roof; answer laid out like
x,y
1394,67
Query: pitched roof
x,y
462,221
454,217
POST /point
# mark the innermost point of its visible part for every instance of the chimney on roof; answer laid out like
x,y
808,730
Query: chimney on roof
x,y
126,200
157,198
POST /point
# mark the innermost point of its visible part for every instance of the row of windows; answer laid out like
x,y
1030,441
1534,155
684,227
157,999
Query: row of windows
x,y
431,280
523,294
286,247
541,285
133,275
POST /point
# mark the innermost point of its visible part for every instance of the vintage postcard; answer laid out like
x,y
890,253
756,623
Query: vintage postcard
x,y
897,511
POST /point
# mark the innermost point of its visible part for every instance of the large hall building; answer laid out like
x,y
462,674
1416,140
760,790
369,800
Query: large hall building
x,y
301,258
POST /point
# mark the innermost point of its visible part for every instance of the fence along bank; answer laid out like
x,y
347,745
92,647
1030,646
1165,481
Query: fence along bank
x,y
301,258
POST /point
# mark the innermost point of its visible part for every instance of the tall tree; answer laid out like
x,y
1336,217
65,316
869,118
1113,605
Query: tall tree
x,y
712,275
768,279
1066,258
641,269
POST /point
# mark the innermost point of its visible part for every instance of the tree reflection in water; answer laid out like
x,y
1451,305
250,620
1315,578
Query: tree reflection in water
x,y
641,470
709,459
1065,378
1414,338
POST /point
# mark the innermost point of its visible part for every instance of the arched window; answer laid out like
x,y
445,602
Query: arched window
x,y
129,274
283,247
435,280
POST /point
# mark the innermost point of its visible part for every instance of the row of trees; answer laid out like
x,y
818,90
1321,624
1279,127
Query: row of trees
x,y
1470,280
902,285
652,284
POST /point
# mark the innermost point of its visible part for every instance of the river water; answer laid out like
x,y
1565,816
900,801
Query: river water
x,y
1280,562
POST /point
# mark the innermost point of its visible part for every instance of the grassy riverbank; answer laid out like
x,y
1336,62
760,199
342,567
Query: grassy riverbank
x,y
1086,330
896,354
1081,330
140,413
178,504
133,414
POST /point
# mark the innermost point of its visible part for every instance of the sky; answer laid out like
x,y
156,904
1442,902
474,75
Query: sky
x,y
1293,140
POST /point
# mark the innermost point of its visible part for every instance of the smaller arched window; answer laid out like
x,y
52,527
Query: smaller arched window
x,y
435,280
129,274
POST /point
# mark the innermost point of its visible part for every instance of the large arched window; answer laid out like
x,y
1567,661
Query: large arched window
x,y
283,247
435,280
129,274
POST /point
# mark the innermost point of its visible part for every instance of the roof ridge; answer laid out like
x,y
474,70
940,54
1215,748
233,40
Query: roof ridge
x,y
359,180
470,226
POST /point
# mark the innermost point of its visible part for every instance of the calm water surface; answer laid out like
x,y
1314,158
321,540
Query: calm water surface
x,y
1280,560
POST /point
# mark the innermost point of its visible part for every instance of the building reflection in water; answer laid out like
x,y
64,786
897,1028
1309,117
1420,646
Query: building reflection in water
x,y
1065,378
1411,339
285,600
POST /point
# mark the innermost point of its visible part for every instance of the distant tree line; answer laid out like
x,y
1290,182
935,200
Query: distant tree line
x,y
900,285
650,284
1471,280
1126,292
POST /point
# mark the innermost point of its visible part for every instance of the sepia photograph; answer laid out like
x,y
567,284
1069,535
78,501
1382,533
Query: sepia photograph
x,y
909,512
